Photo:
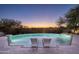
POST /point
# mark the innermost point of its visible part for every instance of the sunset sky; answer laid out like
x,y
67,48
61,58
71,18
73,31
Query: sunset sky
x,y
35,15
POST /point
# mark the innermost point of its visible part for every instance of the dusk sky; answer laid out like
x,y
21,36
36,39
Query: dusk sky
x,y
34,15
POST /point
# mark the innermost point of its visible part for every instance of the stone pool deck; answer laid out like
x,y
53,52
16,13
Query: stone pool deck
x,y
73,49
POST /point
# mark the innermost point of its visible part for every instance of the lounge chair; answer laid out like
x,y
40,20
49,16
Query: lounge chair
x,y
46,42
34,42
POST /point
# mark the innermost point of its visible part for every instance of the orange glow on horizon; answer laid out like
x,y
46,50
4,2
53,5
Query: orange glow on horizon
x,y
40,25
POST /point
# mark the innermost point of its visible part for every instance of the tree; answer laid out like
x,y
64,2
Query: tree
x,y
60,23
73,18
8,25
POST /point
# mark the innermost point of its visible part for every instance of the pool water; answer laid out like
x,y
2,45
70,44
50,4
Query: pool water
x,y
24,39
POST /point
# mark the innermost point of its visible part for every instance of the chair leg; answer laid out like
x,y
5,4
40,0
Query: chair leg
x,y
46,46
34,46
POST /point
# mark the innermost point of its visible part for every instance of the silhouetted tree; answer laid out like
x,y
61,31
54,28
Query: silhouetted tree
x,y
73,18
8,25
60,23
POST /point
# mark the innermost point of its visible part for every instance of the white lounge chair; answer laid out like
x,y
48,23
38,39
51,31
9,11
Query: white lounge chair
x,y
46,42
34,42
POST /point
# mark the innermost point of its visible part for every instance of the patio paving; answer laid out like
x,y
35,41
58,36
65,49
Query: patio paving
x,y
67,49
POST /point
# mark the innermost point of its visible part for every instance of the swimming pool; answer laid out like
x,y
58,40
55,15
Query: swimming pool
x,y
24,39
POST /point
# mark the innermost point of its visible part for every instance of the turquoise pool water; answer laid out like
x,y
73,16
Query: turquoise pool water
x,y
24,39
